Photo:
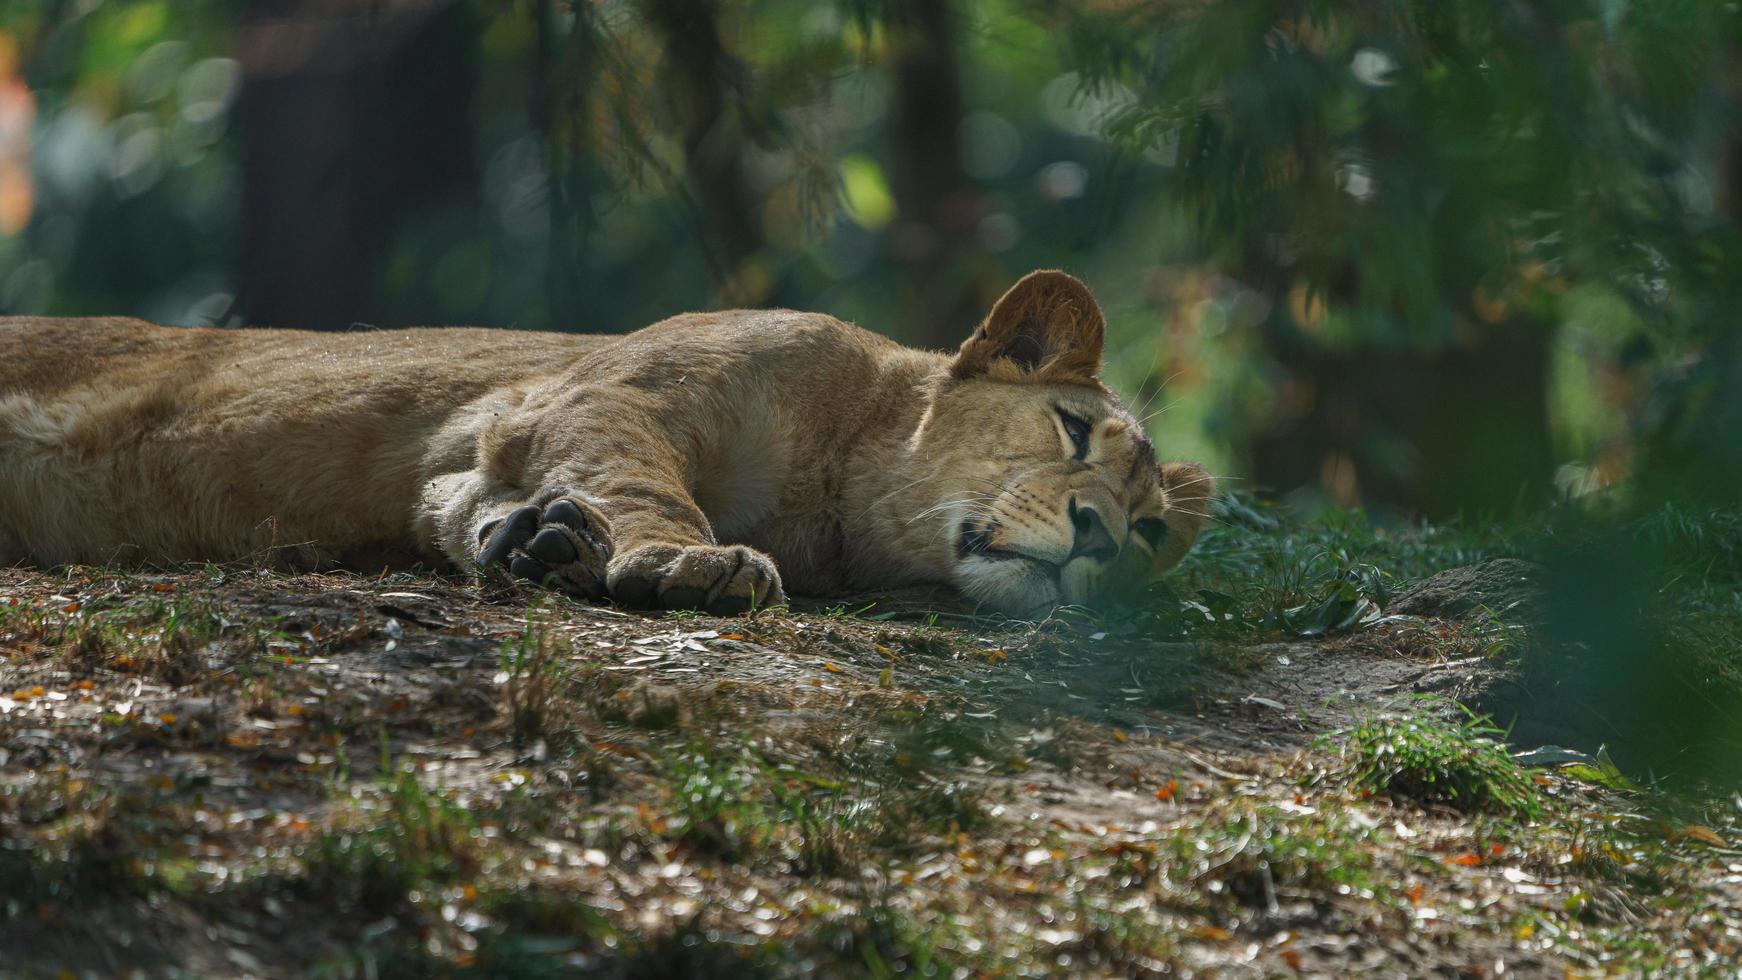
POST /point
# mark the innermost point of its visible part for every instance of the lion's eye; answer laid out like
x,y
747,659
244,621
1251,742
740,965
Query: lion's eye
x,y
1078,428
1151,529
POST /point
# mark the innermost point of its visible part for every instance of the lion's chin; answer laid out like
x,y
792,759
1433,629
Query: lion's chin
x,y
1080,580
1028,587
1012,584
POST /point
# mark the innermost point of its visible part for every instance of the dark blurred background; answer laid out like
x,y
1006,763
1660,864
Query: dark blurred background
x,y
1427,256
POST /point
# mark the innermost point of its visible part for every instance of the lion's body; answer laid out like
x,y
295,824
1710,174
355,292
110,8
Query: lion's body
x,y
794,434
122,439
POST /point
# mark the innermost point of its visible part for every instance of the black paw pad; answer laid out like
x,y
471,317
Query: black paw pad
x,y
513,532
565,512
552,547
529,568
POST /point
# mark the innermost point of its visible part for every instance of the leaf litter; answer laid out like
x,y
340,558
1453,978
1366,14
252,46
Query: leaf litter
x,y
488,778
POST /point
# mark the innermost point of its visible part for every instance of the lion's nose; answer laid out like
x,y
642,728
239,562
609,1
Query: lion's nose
x,y
1092,539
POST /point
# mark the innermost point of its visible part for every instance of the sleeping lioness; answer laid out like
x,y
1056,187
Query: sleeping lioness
x,y
712,460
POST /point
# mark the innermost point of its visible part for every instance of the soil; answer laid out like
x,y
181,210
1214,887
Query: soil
x,y
271,728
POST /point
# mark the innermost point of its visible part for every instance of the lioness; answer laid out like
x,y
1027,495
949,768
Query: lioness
x,y
711,460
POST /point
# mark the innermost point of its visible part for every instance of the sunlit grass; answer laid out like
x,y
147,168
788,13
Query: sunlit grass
x,y
1423,760
1259,856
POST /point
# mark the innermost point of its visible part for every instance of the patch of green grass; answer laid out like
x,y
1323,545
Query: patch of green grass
x,y
534,670
1122,944
165,641
935,735
886,942
843,610
1421,760
1709,621
1641,640
737,806
1261,569
419,838
939,806
24,623
1260,856
62,844
718,801
159,639
1704,544
824,826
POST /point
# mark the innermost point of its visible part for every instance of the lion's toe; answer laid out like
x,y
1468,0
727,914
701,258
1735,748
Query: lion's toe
x,y
553,547
530,569
574,515
725,580
754,584
498,539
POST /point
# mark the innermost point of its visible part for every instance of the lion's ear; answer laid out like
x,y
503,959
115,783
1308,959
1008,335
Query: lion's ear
x,y
1047,328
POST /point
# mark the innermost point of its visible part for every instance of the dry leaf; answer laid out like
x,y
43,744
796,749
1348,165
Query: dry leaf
x,y
1699,832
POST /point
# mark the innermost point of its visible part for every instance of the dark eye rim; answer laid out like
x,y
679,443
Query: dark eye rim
x,y
1154,530
1078,429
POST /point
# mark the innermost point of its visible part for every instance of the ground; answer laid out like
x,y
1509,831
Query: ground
x,y
230,771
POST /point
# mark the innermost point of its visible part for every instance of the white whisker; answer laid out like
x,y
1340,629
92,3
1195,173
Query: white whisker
x,y
905,486
1163,410
1193,483
951,502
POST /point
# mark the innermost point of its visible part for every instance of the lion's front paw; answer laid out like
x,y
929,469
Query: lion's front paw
x,y
724,580
565,545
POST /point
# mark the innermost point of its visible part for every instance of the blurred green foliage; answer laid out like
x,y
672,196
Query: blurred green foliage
x,y
1419,173
116,122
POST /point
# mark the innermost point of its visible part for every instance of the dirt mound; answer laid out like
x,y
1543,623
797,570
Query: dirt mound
x,y
1504,587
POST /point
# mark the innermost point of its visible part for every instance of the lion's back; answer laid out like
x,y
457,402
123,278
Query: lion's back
x,y
182,442
43,354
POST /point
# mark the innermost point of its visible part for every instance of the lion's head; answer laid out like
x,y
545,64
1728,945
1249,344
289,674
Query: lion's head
x,y
1053,493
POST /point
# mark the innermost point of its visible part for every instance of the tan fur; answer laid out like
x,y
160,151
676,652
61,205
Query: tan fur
x,y
702,461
